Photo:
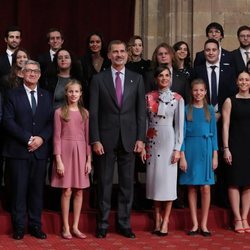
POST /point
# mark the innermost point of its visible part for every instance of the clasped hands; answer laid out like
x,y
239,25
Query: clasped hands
x,y
34,143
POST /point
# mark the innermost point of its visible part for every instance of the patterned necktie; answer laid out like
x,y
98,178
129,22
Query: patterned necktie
x,y
118,88
33,102
214,99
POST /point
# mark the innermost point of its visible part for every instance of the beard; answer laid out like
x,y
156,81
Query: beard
x,y
243,46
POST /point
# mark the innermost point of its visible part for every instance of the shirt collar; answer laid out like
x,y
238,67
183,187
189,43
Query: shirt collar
x,y
208,65
28,89
9,52
115,70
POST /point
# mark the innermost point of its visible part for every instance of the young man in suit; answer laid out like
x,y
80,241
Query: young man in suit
x,y
221,84
55,40
242,55
12,37
27,120
214,31
117,132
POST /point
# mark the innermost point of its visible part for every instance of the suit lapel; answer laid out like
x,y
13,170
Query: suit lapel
x,y
127,85
109,84
25,100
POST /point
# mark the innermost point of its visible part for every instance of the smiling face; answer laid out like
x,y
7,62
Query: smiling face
x,y
199,92
163,79
211,52
55,40
21,58
182,52
63,60
243,82
95,44
13,40
73,93
31,75
118,55
137,47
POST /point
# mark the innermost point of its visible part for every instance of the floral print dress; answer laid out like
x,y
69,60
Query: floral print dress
x,y
164,135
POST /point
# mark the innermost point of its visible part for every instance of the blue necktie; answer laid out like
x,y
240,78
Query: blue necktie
x,y
214,99
33,102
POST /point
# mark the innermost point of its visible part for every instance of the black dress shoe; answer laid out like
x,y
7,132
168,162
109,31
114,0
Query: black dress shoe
x,y
18,234
192,233
161,234
127,232
206,233
156,231
101,233
37,232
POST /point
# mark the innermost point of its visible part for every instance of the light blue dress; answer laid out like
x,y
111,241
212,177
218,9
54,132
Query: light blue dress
x,y
200,140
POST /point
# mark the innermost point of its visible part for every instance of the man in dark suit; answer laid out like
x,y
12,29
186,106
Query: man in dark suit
x,y
117,132
225,76
220,80
242,55
28,116
214,31
55,40
12,37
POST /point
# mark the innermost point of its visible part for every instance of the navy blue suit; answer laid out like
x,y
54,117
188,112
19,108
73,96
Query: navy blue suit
x,y
227,82
27,169
239,63
225,59
4,64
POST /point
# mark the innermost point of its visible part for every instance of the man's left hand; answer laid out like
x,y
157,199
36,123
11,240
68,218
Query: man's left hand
x,y
139,146
36,142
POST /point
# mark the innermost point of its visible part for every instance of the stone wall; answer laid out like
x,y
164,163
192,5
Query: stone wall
x,y
175,20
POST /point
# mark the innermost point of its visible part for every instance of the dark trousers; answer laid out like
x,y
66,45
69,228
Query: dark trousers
x,y
105,172
27,183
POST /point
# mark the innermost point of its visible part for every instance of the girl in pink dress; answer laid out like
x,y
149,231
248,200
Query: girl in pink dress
x,y
72,163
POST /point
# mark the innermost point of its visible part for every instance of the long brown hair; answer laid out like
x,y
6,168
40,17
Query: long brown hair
x,y
65,106
205,104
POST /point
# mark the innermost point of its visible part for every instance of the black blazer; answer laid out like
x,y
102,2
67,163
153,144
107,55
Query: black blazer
x,y
20,124
226,58
239,63
4,64
108,121
227,82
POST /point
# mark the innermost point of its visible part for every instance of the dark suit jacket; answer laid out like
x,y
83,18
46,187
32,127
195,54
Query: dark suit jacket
x,y
20,124
44,60
226,58
4,64
227,82
107,120
239,63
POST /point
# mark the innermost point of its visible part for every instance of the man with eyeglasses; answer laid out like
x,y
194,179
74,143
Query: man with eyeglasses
x,y
27,121
242,55
214,31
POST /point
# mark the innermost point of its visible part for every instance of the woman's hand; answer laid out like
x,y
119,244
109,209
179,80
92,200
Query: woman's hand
x,y
88,168
60,168
215,160
227,156
175,156
183,164
143,156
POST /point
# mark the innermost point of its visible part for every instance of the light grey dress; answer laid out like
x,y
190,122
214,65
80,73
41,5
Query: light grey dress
x,y
164,135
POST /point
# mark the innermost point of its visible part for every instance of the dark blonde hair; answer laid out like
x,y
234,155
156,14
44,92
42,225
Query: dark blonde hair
x,y
130,45
205,104
65,107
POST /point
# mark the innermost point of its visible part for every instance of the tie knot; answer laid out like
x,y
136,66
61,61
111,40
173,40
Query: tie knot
x,y
118,73
213,67
32,92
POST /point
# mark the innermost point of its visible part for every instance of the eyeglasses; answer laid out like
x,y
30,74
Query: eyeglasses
x,y
214,31
244,36
35,71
